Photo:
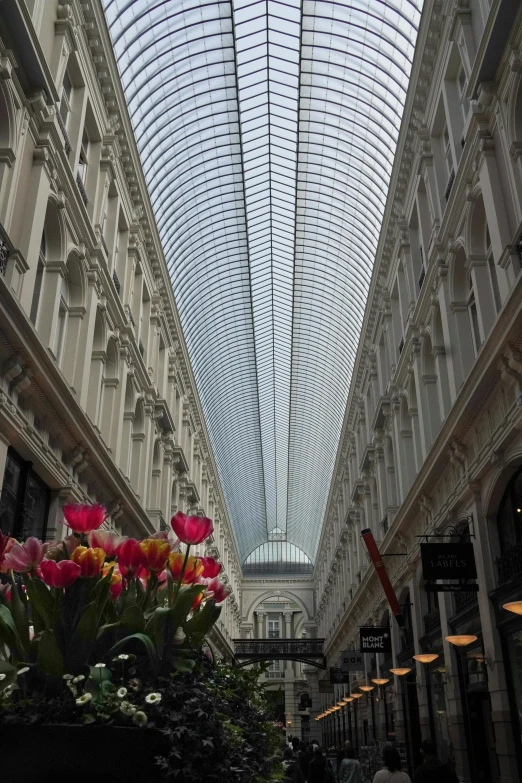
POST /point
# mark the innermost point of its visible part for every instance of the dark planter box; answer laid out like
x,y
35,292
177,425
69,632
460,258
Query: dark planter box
x,y
59,753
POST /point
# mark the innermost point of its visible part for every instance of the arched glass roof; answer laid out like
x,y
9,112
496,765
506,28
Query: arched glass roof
x,y
267,132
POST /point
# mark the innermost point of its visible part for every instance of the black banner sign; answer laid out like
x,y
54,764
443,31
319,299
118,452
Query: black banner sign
x,y
338,677
454,588
352,661
375,639
448,561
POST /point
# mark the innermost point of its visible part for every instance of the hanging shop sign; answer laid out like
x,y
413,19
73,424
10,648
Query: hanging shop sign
x,y
375,639
453,588
448,561
338,677
375,555
352,661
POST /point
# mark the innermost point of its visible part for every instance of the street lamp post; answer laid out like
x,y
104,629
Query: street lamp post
x,y
461,641
426,659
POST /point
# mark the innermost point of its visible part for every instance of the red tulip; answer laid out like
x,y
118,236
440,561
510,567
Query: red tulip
x,y
191,530
193,569
83,518
106,540
155,554
61,574
89,560
211,567
130,557
116,585
220,591
25,557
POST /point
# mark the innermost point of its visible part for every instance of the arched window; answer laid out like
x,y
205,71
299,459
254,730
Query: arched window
x,y
38,280
509,517
473,316
63,308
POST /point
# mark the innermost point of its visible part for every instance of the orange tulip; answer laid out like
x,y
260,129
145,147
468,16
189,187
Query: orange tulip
x,y
116,580
155,554
197,600
89,560
193,570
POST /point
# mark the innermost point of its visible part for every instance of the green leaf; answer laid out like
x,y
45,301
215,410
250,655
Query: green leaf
x,y
132,618
41,601
21,621
49,659
81,644
184,665
8,634
10,674
146,641
200,624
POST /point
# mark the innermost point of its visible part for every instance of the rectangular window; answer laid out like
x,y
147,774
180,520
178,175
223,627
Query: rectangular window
x,y
446,148
24,502
83,159
462,84
273,629
65,100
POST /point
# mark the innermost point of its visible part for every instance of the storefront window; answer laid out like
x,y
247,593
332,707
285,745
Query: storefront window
x,y
24,502
509,518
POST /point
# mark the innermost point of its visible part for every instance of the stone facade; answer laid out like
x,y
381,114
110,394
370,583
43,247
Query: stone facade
x,y
97,398
431,436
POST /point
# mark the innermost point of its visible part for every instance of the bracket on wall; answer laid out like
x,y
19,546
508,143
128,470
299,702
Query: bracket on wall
x,y
463,526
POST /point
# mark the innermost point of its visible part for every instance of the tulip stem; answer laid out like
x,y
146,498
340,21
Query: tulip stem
x,y
183,569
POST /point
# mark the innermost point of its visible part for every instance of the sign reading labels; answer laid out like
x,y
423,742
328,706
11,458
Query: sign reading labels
x,y
352,661
448,561
375,639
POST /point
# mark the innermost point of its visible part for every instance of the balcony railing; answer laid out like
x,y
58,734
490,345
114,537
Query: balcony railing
x,y
4,256
65,135
449,185
509,564
421,277
116,281
274,675
431,621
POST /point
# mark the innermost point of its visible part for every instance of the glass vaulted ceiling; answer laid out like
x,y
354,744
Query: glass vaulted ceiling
x,y
267,132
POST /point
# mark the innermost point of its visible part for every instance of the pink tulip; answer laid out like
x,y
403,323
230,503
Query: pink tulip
x,y
83,518
211,567
106,540
6,590
220,591
61,574
25,557
6,544
191,530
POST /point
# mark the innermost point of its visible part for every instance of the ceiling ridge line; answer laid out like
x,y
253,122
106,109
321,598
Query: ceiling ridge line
x,y
296,177
241,155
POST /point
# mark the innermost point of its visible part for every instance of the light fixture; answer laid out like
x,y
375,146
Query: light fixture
x,y
348,699
400,672
426,657
380,681
357,695
513,606
462,640
366,688
340,703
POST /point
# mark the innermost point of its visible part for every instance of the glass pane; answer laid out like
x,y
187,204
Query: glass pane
x,y
36,504
9,497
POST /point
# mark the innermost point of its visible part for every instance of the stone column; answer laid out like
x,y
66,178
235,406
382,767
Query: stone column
x,y
260,625
288,635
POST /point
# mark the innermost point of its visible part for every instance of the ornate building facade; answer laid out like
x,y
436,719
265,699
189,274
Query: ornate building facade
x,y
97,398
432,435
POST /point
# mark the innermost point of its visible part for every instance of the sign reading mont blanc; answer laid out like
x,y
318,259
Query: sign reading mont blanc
x,y
352,661
448,561
375,639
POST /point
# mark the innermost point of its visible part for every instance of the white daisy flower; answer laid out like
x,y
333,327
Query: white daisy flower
x,y
79,678
153,698
123,657
84,699
127,708
100,665
139,718
121,692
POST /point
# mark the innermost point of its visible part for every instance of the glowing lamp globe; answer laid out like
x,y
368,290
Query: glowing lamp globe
x,y
513,606
380,681
461,640
400,672
426,657
366,688
356,695
348,699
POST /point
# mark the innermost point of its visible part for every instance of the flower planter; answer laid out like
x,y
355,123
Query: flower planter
x,y
80,753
